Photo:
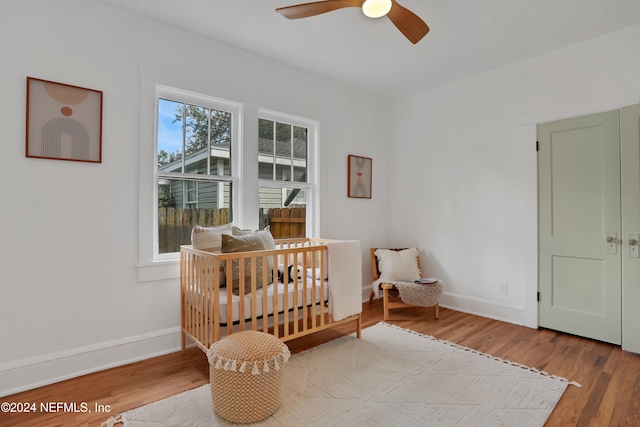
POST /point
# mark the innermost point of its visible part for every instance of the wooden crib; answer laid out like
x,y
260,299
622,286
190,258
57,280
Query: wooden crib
x,y
293,305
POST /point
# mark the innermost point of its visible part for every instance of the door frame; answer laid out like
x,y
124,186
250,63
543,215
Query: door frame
x,y
561,247
527,137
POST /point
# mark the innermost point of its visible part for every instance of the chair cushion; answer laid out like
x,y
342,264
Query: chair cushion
x,y
399,266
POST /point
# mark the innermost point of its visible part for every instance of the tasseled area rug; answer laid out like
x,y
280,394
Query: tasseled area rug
x,y
390,377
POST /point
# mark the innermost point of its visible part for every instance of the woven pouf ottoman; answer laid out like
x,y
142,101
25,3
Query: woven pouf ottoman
x,y
245,370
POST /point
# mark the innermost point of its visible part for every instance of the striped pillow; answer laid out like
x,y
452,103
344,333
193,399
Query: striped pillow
x,y
246,243
209,238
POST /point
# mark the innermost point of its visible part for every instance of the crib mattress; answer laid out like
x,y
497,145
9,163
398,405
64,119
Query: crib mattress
x,y
280,288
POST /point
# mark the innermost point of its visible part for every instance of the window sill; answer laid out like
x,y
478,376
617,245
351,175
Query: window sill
x,y
159,270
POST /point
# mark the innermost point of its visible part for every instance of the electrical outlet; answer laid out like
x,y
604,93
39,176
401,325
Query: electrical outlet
x,y
504,288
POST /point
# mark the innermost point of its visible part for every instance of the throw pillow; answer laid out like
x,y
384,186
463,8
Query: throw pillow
x,y
236,231
269,243
209,238
401,266
246,243
265,234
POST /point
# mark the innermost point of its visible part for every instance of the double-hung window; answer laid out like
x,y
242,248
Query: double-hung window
x,y
196,136
204,173
286,153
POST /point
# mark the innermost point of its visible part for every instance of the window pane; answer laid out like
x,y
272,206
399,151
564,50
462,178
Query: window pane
x,y
284,210
220,158
265,132
299,154
291,150
265,170
169,136
196,139
185,203
197,129
201,124
283,152
266,161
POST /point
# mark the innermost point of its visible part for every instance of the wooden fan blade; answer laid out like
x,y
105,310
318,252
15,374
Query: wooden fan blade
x,y
408,23
316,8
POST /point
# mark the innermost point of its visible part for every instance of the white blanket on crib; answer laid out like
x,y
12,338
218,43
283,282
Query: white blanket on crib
x,y
345,278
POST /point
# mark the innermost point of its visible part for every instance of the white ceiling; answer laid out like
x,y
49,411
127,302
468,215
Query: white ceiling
x,y
467,36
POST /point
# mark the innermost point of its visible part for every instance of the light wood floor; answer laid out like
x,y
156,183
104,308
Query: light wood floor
x,y
610,377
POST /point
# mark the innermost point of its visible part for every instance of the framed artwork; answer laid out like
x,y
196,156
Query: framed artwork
x,y
359,177
64,122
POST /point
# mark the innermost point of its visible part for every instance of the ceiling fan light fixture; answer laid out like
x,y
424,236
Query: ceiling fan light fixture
x,y
376,8
409,24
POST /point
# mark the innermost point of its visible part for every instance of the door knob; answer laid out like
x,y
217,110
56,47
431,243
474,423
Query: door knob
x,y
633,242
612,239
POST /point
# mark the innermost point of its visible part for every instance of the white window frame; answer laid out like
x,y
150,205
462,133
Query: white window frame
x,y
155,84
191,191
152,265
178,95
312,185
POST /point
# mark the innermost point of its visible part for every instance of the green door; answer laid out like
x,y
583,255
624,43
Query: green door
x,y
580,236
630,149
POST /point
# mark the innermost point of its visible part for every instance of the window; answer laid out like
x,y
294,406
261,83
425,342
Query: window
x,y
192,193
194,174
197,169
283,169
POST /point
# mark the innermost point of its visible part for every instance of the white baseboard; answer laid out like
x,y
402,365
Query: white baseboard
x,y
484,308
33,372
477,306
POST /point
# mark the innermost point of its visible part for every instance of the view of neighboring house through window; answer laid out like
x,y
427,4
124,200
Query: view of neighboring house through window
x,y
193,170
283,172
199,177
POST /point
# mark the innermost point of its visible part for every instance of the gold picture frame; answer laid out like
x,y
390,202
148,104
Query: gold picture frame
x,y
64,122
360,177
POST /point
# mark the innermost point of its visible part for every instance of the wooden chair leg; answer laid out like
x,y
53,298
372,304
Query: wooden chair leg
x,y
437,310
385,292
371,295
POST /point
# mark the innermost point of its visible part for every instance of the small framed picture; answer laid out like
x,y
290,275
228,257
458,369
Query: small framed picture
x,y
359,185
64,122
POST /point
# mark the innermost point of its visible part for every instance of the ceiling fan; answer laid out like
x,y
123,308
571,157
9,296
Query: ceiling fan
x,y
406,21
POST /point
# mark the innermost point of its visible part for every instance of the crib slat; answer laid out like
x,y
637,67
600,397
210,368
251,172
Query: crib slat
x,y
229,280
241,290
285,295
322,290
265,296
305,300
314,293
252,293
208,292
296,283
217,272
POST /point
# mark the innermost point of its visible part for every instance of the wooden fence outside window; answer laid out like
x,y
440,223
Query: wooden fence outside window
x,y
175,224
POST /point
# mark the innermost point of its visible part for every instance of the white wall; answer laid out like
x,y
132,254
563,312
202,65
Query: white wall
x,y
465,153
70,298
